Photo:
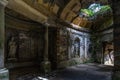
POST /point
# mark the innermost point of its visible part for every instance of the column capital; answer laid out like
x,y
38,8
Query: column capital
x,y
3,2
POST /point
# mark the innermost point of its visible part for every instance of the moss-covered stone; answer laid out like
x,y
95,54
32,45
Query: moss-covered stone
x,y
46,66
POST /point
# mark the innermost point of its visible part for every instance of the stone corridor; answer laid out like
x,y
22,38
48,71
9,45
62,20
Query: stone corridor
x,y
80,72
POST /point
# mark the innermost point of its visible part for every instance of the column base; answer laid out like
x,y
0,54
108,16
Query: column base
x,y
4,74
46,66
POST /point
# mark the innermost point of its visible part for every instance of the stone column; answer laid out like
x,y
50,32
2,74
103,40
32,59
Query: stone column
x,y
46,65
2,6
3,70
46,45
86,48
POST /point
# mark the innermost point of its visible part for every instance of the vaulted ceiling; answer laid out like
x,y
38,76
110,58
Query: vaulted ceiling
x,y
65,10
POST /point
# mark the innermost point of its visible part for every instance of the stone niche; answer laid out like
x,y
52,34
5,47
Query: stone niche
x,y
24,43
73,47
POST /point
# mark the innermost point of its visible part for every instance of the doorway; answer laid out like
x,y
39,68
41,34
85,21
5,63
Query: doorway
x,y
108,53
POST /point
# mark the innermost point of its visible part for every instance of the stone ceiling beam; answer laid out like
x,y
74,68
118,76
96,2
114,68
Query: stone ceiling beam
x,y
23,8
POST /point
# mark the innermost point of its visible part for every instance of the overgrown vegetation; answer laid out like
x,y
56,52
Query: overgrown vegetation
x,y
73,62
94,10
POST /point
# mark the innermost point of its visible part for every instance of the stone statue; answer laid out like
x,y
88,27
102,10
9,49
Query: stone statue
x,y
12,48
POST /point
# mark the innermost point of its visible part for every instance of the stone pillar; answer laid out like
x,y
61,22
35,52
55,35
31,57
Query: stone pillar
x,y
116,16
2,6
86,48
3,71
46,65
46,45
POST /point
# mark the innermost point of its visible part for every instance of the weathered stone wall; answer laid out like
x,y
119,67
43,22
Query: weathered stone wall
x,y
105,36
72,47
116,12
25,46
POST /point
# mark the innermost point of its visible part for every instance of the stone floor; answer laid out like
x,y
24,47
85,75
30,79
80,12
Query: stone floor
x,y
79,72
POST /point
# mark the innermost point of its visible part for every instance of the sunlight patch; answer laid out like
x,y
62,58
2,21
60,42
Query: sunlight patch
x,y
41,78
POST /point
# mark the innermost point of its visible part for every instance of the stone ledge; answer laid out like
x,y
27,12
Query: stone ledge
x,y
18,65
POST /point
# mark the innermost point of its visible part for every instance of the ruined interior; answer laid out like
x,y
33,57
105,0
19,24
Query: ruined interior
x,y
59,39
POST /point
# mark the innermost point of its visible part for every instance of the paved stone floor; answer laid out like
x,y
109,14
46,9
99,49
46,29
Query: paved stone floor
x,y
81,72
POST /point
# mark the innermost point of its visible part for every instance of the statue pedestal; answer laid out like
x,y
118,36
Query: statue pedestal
x,y
46,66
4,74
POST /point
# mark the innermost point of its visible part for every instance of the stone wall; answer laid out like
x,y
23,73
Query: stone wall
x,y
116,12
107,43
107,35
24,44
72,47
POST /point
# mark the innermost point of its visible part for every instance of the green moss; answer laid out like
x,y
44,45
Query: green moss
x,y
89,61
73,62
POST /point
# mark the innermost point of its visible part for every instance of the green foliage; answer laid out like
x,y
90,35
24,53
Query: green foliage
x,y
87,12
73,62
89,61
104,8
94,10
